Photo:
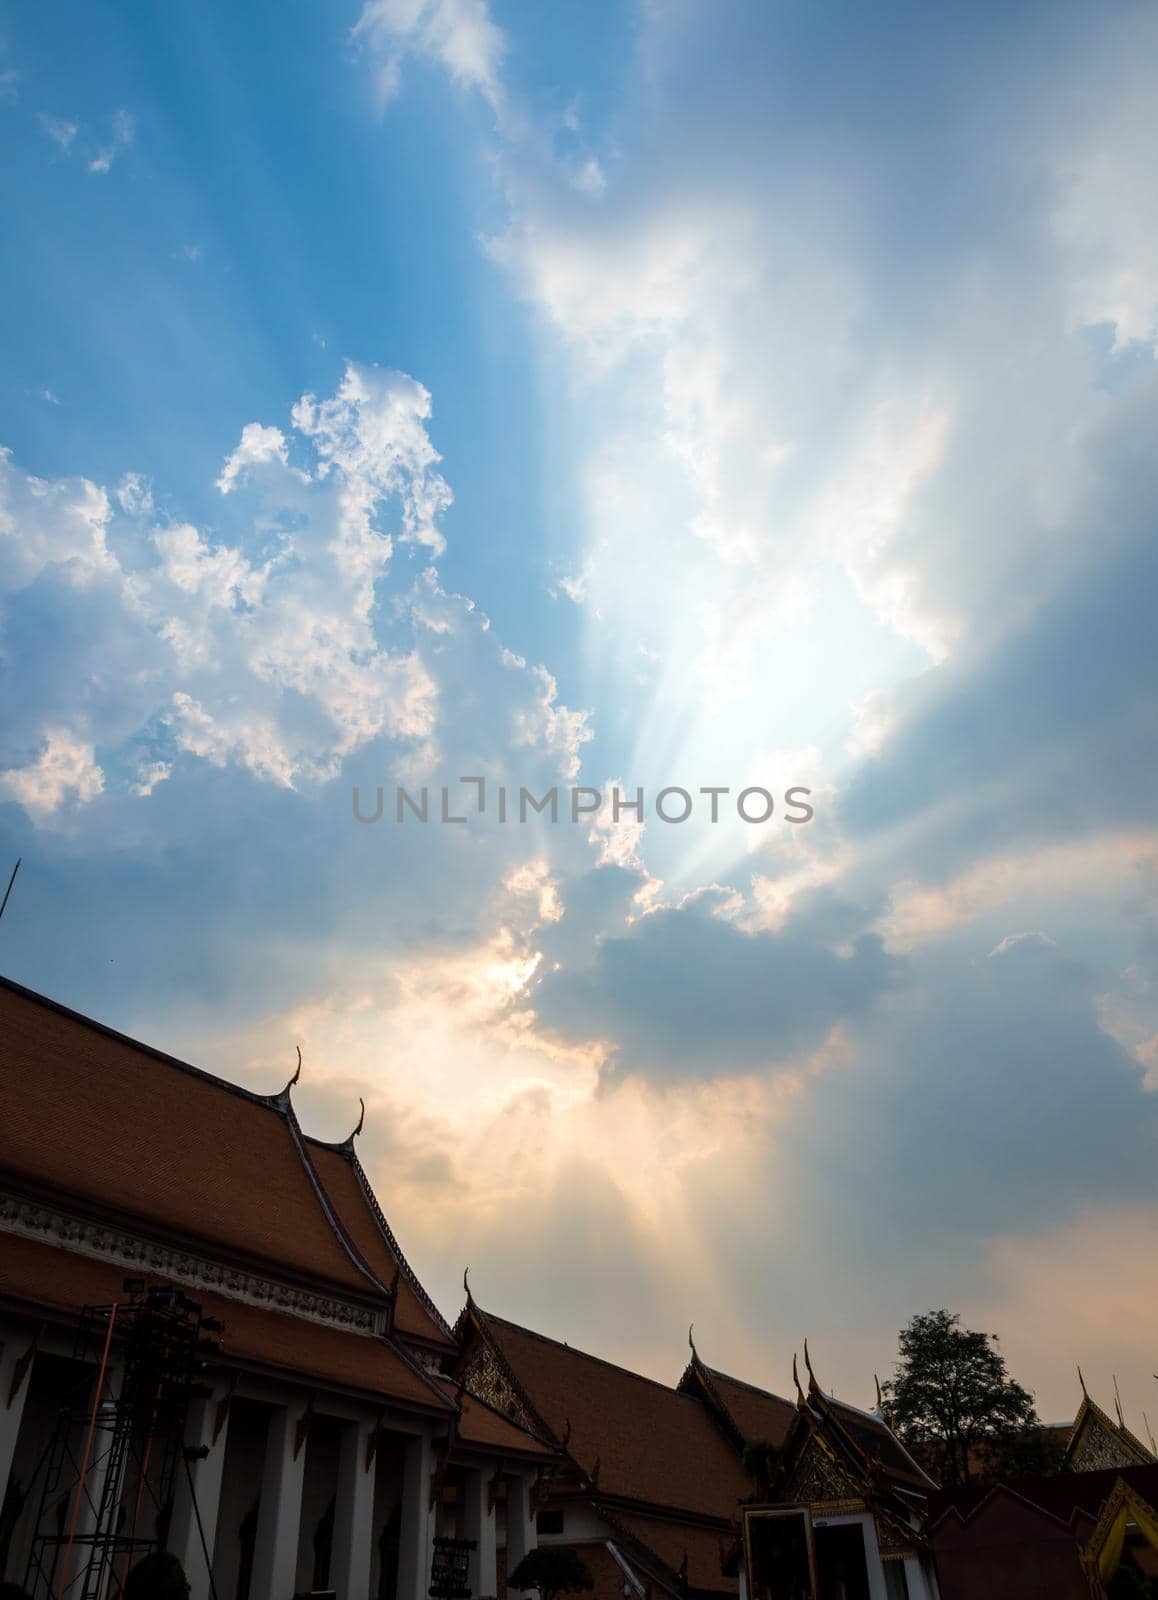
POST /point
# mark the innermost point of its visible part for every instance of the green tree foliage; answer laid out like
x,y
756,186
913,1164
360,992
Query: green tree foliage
x,y
553,1569
953,1397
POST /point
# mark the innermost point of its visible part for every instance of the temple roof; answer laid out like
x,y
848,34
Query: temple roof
x,y
632,1438
53,1279
345,1182
479,1424
749,1415
1096,1440
876,1441
90,1116
686,1557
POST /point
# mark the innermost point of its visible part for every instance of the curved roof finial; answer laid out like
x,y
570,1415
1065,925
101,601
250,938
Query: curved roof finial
x,y
880,1401
692,1342
812,1383
466,1286
282,1098
800,1400
1082,1381
361,1121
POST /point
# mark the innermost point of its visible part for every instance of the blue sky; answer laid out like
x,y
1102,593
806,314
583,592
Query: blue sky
x,y
652,394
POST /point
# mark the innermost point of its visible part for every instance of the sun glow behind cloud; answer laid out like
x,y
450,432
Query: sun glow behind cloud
x,y
846,375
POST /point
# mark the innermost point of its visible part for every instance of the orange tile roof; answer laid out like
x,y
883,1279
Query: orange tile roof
x,y
480,1424
761,1417
89,1114
653,1444
36,1275
676,1543
348,1188
876,1440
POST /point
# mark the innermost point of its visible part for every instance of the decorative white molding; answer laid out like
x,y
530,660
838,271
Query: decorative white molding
x,y
85,1237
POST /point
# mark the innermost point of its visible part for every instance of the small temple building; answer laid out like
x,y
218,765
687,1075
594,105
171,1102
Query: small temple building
x,y
646,1485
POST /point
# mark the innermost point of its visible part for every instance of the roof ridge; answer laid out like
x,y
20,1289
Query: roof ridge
x,y
270,1101
753,1388
329,1210
1116,1429
573,1350
480,1400
395,1248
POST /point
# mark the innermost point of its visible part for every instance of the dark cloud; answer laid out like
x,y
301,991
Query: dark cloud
x,y
687,994
986,1101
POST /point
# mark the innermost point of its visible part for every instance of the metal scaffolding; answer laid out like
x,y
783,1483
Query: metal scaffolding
x,y
111,1468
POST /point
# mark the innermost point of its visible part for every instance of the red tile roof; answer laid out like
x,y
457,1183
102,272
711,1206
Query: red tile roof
x,y
119,1128
480,1424
677,1543
46,1276
652,1444
349,1190
760,1417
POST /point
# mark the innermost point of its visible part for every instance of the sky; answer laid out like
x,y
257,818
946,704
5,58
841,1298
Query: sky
x,y
598,398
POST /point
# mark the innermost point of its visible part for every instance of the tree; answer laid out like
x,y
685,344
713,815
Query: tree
x,y
953,1395
553,1569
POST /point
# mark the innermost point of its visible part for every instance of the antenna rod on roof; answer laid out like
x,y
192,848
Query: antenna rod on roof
x,y
1118,1402
11,881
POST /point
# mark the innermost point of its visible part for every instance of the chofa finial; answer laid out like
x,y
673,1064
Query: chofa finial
x,y
1082,1381
880,1399
282,1098
812,1383
800,1400
466,1284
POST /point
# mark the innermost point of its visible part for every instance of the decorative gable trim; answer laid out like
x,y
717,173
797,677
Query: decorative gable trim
x,y
84,1237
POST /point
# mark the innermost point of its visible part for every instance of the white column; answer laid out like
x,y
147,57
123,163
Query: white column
x,y
275,1556
415,1534
876,1567
919,1580
353,1516
11,1411
184,1536
521,1535
479,1525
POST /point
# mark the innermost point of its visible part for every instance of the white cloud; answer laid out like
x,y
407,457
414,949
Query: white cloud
x,y
257,446
135,495
120,139
555,726
60,130
64,769
590,178
283,651
373,433
47,523
458,34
